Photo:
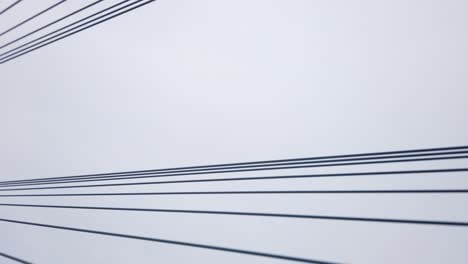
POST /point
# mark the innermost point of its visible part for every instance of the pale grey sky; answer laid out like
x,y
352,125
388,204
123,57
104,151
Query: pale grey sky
x,y
182,82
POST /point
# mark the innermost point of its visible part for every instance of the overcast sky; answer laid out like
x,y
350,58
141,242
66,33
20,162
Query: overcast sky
x,y
182,82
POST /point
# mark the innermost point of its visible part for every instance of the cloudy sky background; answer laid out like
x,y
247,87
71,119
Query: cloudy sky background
x,y
180,83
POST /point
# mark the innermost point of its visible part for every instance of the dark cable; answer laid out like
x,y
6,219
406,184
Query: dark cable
x,y
50,24
422,191
31,18
174,173
58,30
14,258
246,170
247,179
145,172
231,169
31,49
173,242
8,8
321,217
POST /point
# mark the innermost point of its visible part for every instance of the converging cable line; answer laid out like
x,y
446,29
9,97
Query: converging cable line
x,y
261,167
318,217
14,258
28,45
244,179
33,17
209,171
415,191
50,24
8,8
250,168
174,242
5,54
267,163
70,32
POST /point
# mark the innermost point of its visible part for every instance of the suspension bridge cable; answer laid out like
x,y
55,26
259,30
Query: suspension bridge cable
x,y
302,216
405,191
14,258
245,179
173,242
50,24
70,32
221,166
4,54
33,17
245,170
8,8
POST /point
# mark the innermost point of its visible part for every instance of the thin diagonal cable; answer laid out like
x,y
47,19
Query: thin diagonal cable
x,y
416,191
78,29
8,8
228,169
249,179
208,171
140,172
14,258
4,54
302,216
173,242
241,170
144,172
217,170
50,24
33,17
